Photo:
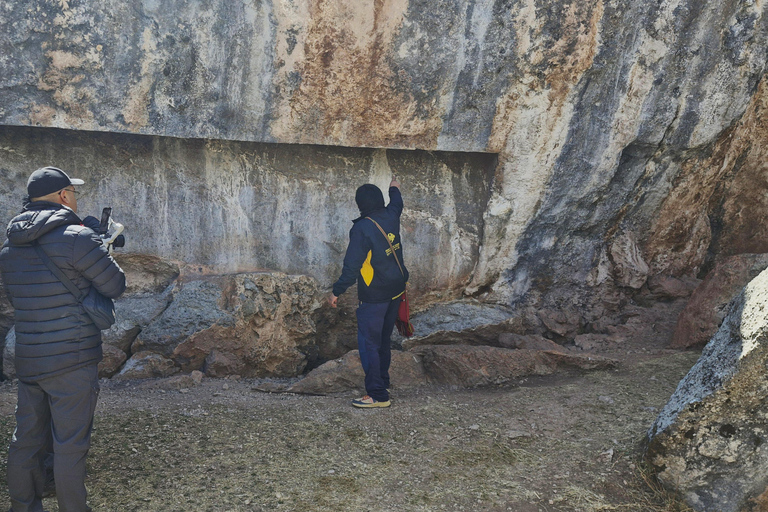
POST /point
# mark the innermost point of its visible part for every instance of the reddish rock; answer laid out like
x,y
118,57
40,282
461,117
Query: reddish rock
x,y
669,287
221,364
563,322
472,366
113,360
346,373
629,267
257,324
701,317
456,365
528,342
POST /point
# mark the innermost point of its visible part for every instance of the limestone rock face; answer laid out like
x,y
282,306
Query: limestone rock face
x,y
236,206
612,121
251,324
709,442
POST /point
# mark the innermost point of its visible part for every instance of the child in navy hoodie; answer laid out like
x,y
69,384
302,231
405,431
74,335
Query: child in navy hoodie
x,y
381,277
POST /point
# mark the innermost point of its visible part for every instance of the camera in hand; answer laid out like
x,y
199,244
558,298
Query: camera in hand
x,y
110,231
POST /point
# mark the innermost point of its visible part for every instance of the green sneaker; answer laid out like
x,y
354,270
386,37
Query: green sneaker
x,y
367,402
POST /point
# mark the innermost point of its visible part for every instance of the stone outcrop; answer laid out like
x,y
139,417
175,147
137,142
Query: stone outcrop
x,y
346,373
148,279
465,366
528,342
707,307
258,324
468,366
468,321
709,442
113,361
147,365
250,324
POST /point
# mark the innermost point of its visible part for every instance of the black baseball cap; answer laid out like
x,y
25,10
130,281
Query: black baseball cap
x,y
47,180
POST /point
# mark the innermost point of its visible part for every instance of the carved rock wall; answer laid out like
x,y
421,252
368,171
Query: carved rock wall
x,y
626,135
245,206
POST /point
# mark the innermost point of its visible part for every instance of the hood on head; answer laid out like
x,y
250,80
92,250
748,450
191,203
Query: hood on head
x,y
369,199
38,218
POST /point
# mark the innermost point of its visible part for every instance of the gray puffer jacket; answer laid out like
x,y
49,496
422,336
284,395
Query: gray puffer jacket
x,y
54,334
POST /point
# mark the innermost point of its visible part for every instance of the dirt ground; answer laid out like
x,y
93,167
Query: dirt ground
x,y
549,444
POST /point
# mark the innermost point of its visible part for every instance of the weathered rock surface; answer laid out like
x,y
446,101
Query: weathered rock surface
x,y
250,324
133,314
236,206
114,358
613,123
147,365
707,307
454,365
709,442
469,322
474,366
528,342
346,373
666,287
146,274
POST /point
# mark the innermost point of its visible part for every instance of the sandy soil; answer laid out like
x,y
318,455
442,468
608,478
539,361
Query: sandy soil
x,y
548,444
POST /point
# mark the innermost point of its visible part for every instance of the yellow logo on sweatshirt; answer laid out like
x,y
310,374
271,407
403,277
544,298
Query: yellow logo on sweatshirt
x,y
367,270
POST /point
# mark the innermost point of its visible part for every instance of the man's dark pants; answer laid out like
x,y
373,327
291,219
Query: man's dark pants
x,y
375,322
62,407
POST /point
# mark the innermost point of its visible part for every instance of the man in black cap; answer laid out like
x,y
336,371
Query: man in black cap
x,y
374,259
58,347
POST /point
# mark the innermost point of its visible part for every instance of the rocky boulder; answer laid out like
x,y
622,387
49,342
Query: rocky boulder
x,y
528,341
707,307
112,362
346,373
468,322
148,281
453,365
147,365
251,324
709,442
475,366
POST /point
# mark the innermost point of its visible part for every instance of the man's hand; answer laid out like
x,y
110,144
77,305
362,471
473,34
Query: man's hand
x,y
394,182
332,300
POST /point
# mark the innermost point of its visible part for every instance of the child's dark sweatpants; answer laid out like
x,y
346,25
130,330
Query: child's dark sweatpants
x,y
375,322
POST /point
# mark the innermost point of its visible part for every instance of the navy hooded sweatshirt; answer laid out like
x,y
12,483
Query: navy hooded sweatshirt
x,y
369,259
